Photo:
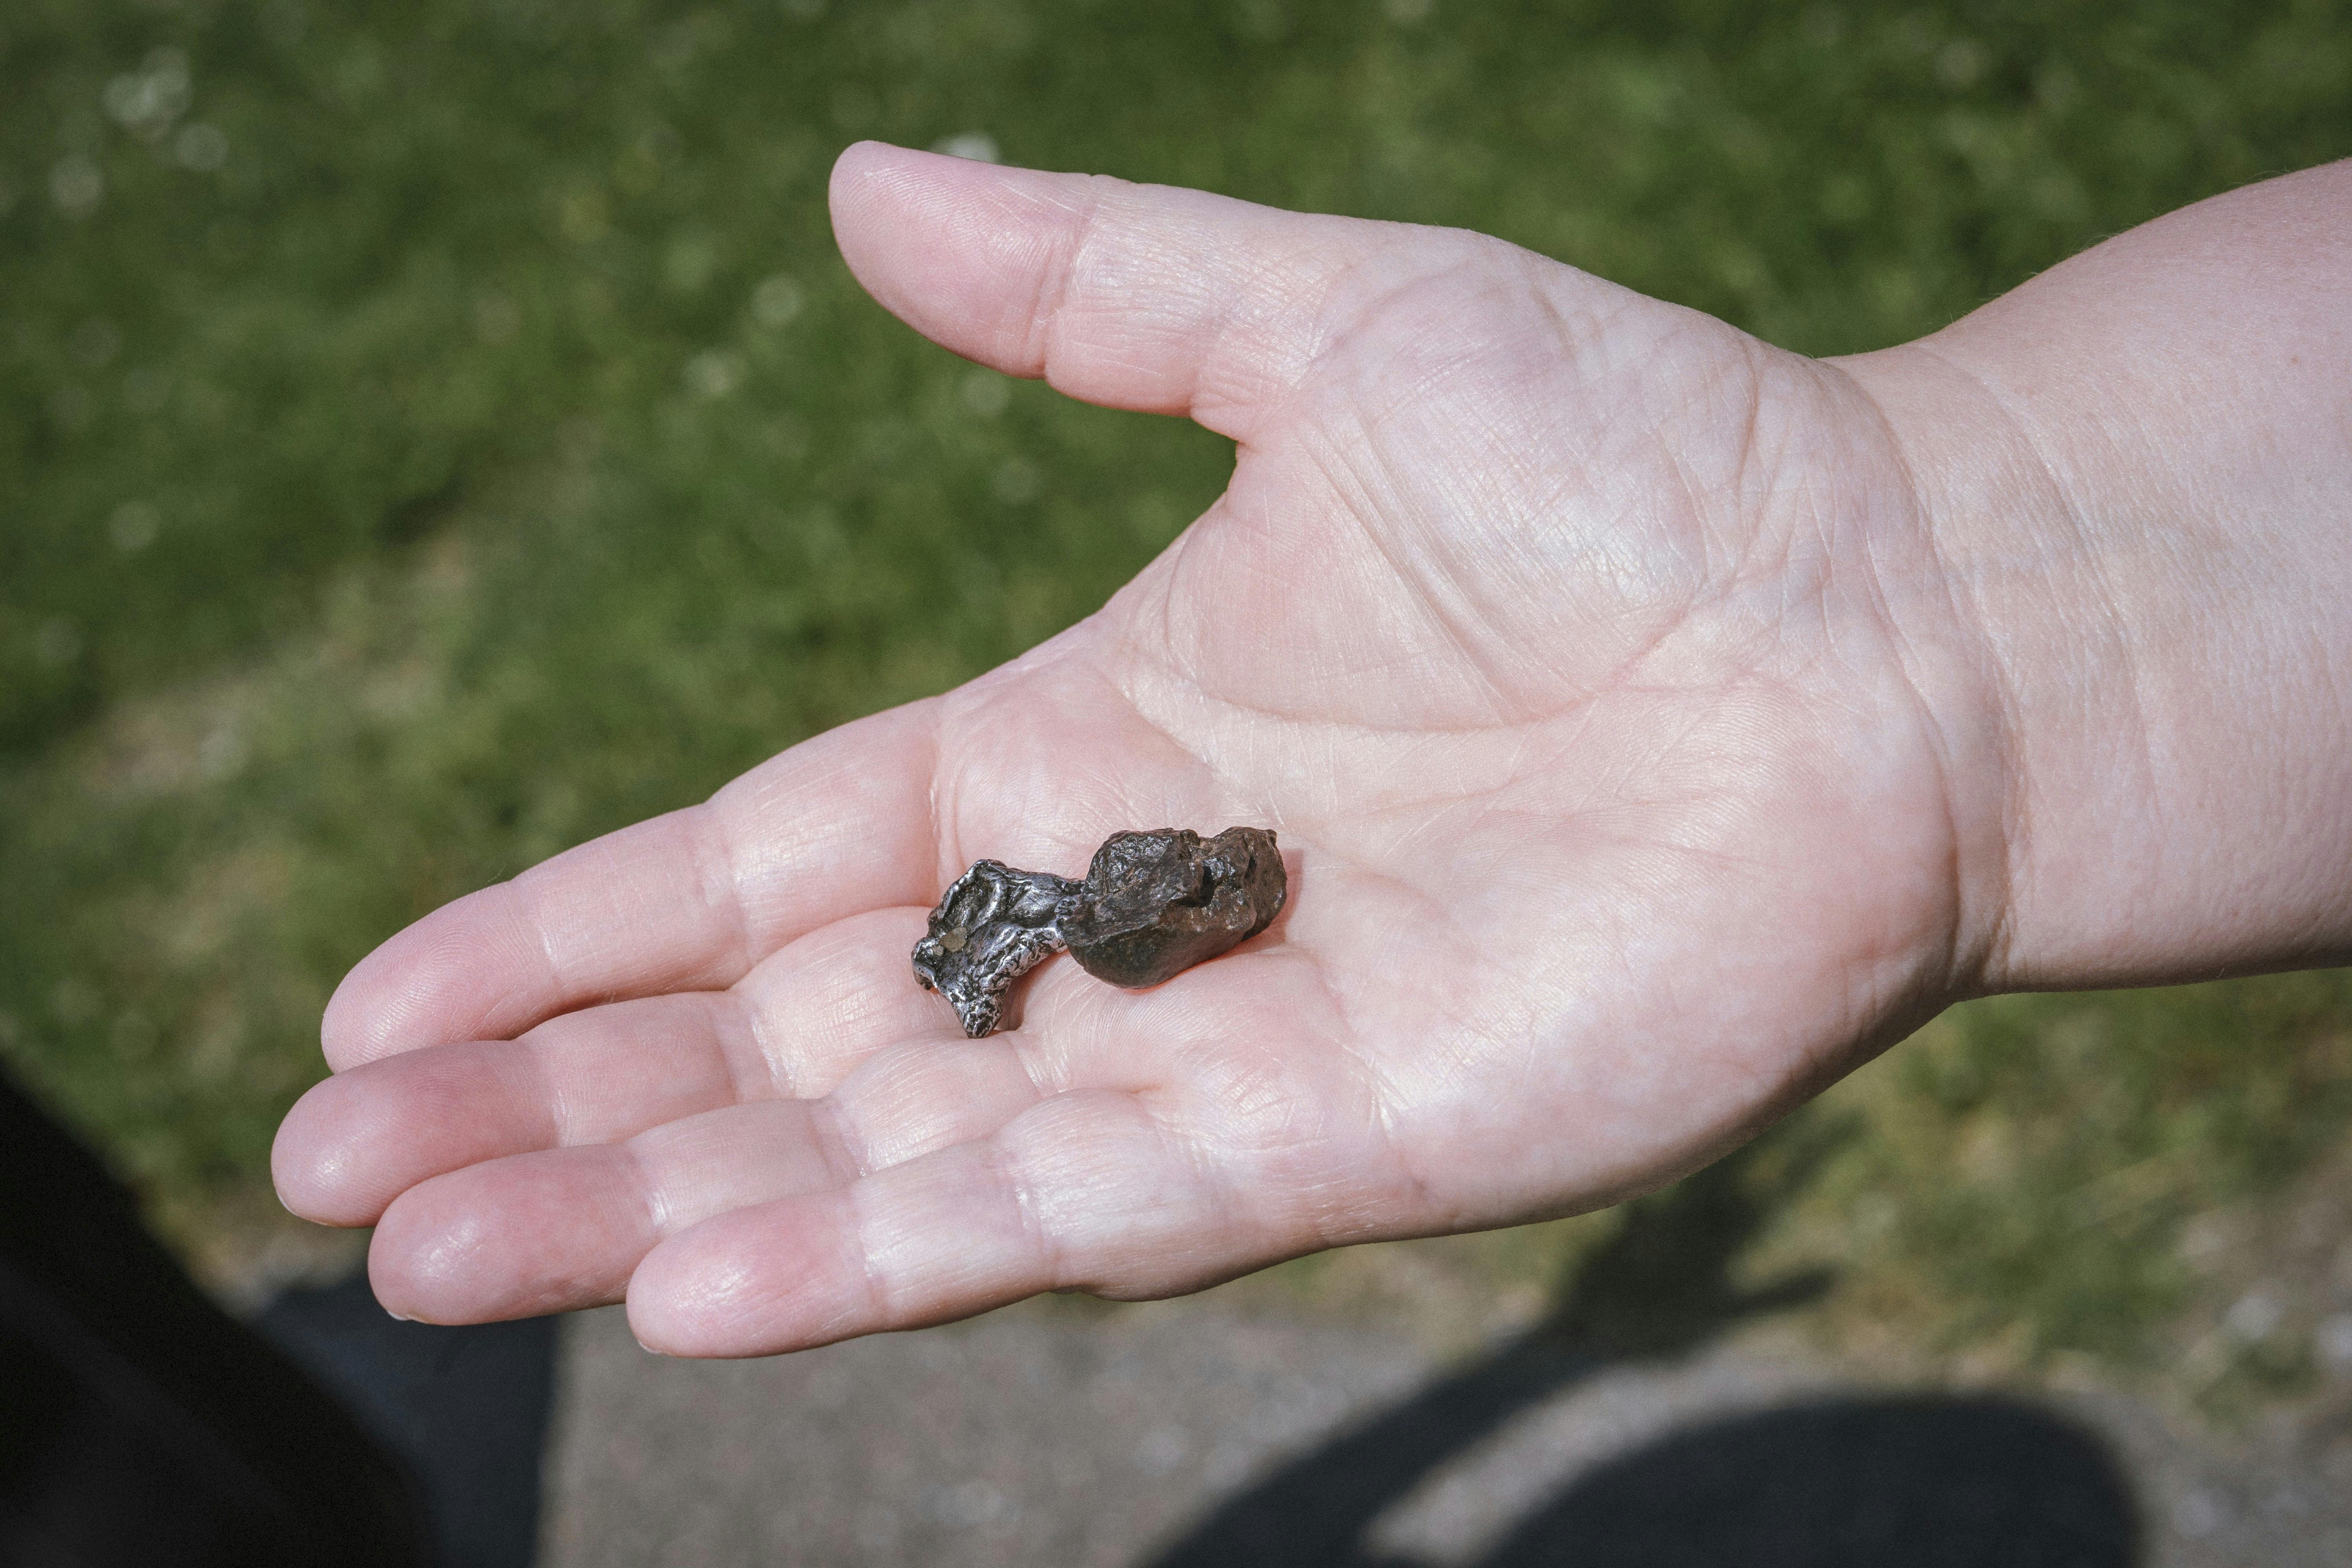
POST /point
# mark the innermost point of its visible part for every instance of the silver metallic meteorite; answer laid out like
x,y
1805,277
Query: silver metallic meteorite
x,y
1152,905
994,926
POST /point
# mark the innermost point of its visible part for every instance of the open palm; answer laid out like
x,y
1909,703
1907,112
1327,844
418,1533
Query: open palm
x,y
1583,651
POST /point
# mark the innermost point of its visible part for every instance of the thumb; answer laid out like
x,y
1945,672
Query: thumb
x,y
1145,297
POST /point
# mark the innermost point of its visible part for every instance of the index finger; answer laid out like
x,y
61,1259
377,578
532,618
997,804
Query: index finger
x,y
690,901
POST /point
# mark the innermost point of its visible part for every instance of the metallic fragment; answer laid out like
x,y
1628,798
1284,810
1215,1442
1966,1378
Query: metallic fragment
x,y
991,928
1153,904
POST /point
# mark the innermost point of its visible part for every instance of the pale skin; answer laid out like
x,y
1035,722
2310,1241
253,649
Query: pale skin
x,y
1656,723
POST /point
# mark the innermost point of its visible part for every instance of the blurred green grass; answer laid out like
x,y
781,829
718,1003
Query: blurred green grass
x,y
433,434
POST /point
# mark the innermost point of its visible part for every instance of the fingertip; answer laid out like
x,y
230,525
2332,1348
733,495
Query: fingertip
x,y
470,970
875,181
873,170
344,1033
858,163
368,1017
552,1231
311,1165
439,1256
758,1282
676,1308
357,1140
689,1297
948,245
402,1269
1118,294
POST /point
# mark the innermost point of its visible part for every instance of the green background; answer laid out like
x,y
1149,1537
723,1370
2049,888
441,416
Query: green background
x,y
433,433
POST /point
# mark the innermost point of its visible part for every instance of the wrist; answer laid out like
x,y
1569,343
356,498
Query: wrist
x,y
1966,479
2160,621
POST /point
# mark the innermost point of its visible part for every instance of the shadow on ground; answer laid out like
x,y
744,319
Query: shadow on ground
x,y
467,1409
1923,1481
141,1426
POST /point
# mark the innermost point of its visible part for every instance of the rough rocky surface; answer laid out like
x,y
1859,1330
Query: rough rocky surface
x,y
1157,904
1152,905
994,926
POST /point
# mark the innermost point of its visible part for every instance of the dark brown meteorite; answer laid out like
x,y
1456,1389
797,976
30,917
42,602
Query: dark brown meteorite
x,y
1152,905
1155,904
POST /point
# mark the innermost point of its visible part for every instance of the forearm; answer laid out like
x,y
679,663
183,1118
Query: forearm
x,y
2139,470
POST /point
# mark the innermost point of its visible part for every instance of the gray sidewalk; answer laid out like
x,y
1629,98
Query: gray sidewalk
x,y
1062,1436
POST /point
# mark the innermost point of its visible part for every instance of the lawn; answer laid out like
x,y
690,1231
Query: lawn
x,y
432,434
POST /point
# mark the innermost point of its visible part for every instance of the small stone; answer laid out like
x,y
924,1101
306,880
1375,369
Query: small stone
x,y
1154,904
994,926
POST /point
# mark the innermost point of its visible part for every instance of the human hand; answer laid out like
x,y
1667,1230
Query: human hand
x,y
1638,767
